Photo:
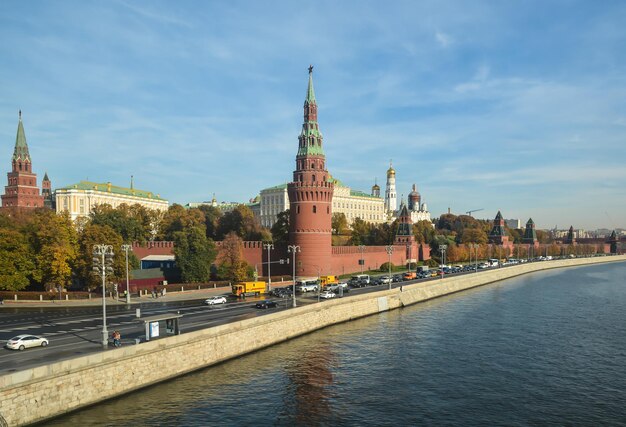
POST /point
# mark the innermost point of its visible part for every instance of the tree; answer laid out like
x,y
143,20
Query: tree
x,y
474,235
16,262
194,254
95,234
360,232
280,229
212,217
55,245
232,266
339,224
423,231
242,222
177,219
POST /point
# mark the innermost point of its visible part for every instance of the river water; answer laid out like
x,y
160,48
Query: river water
x,y
547,348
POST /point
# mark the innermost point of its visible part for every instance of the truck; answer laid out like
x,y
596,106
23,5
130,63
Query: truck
x,y
244,289
328,280
422,268
409,275
307,285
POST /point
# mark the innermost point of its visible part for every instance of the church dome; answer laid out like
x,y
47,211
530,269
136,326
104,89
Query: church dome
x,y
375,187
391,172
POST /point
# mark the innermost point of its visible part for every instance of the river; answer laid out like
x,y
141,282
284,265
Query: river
x,y
547,348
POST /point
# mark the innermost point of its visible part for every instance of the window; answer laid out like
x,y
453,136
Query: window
x,y
298,209
314,209
327,209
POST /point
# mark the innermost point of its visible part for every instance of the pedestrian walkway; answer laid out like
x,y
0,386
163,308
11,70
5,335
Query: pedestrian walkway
x,y
186,295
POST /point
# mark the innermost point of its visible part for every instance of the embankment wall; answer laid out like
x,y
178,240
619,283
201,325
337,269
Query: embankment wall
x,y
39,393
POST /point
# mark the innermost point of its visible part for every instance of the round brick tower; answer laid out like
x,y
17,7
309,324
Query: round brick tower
x,y
311,196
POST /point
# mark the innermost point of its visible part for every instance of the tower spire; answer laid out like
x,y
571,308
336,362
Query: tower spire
x,y
20,153
310,93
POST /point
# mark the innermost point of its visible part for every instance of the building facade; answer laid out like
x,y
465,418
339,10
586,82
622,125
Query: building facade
x,y
79,199
22,190
352,203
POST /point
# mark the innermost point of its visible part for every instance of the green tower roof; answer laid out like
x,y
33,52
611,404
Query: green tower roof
x,y
21,148
310,93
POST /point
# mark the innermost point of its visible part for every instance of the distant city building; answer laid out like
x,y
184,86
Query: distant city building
x,y
79,199
513,223
22,190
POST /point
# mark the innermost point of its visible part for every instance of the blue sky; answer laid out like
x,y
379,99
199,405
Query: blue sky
x,y
517,106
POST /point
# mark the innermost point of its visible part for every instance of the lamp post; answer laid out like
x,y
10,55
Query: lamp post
x,y
362,261
408,246
319,287
476,246
293,249
103,264
268,246
389,250
127,248
442,249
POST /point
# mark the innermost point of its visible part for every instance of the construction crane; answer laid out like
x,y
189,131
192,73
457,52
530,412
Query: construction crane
x,y
474,210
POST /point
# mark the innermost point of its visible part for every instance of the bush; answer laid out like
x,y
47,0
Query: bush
x,y
385,267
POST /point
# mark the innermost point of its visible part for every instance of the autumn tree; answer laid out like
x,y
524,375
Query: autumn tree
x,y
242,222
232,266
212,217
16,263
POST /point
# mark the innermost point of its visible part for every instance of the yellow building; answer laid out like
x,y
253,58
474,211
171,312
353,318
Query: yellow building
x,y
79,199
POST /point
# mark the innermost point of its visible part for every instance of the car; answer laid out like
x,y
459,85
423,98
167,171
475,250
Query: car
x,y
21,342
266,304
215,300
327,295
385,280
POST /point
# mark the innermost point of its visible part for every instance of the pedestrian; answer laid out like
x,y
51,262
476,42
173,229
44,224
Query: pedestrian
x,y
400,288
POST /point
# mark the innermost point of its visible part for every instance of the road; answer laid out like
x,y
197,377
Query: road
x,y
76,331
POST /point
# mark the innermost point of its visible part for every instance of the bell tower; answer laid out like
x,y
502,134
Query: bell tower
x,y
311,195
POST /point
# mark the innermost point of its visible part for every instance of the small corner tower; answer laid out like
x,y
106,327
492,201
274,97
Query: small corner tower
x,y
571,237
22,190
498,232
404,235
310,195
530,234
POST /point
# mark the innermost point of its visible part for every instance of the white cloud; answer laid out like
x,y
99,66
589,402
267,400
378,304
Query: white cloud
x,y
443,39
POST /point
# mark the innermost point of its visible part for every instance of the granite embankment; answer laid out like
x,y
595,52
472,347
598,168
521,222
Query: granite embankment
x,y
37,394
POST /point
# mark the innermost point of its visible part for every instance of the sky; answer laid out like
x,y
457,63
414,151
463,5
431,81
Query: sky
x,y
494,105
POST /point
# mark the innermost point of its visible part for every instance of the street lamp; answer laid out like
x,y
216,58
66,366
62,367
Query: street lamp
x,y
127,248
268,246
442,249
389,250
293,249
476,246
408,246
362,261
103,264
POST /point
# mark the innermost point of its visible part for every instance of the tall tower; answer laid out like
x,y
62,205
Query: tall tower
x,y
22,190
415,200
530,234
311,196
391,198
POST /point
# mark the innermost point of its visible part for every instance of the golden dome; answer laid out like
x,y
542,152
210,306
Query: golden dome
x,y
391,172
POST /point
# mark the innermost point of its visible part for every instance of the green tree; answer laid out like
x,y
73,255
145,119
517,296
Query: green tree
x,y
212,217
96,234
360,232
423,231
194,254
280,229
16,262
177,219
242,222
55,245
339,224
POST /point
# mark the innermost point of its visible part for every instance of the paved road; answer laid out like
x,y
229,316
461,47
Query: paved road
x,y
77,330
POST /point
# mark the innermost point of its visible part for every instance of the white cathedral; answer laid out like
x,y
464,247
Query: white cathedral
x,y
417,209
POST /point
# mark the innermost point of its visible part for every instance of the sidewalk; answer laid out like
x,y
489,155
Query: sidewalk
x,y
187,295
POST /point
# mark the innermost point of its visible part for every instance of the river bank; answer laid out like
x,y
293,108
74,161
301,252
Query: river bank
x,y
40,393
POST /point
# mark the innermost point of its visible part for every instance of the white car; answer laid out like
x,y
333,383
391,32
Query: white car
x,y
327,294
21,342
215,300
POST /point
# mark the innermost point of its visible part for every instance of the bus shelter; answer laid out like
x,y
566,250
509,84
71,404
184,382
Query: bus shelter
x,y
152,325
